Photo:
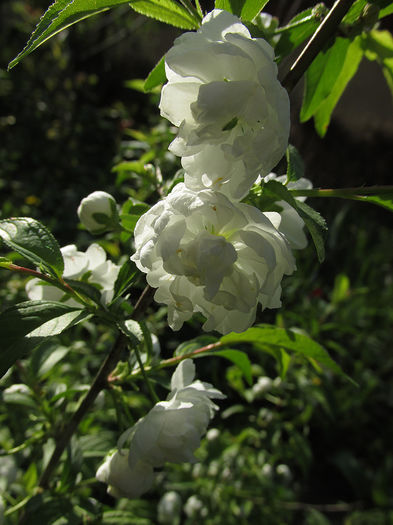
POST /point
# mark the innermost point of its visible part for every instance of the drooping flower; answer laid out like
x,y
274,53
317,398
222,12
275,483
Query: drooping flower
x,y
98,212
92,263
207,254
170,432
291,224
122,481
232,112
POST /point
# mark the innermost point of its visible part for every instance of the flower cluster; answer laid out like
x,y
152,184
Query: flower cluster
x,y
92,264
201,247
170,432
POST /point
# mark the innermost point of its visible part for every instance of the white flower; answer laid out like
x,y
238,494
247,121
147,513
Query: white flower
x,y
169,507
232,112
98,212
193,506
292,225
207,254
263,384
170,432
76,264
122,481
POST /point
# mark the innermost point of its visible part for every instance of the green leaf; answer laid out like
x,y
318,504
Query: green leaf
x,y
5,263
232,6
166,11
353,58
60,15
194,344
382,199
247,10
127,276
33,241
314,222
295,164
156,76
379,46
24,326
321,77
301,27
355,12
289,340
240,359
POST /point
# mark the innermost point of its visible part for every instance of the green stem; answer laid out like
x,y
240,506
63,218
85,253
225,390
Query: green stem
x,y
175,360
317,42
343,193
152,392
58,283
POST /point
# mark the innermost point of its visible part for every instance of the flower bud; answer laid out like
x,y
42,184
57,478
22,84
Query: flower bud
x,y
98,212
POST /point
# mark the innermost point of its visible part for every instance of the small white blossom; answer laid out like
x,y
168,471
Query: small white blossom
x,y
193,506
232,112
207,254
292,225
263,384
169,508
170,432
76,264
98,212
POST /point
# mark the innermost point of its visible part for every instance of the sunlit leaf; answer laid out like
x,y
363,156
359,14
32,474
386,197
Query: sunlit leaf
x,y
167,11
60,15
34,242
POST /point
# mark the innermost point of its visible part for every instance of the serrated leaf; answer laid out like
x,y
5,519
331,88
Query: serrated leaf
x,y
34,242
127,276
352,61
24,326
322,75
301,27
156,77
240,359
166,11
314,222
60,15
232,6
295,164
289,340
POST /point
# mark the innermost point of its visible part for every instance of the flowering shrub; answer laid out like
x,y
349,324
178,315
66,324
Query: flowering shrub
x,y
207,254
212,244
232,113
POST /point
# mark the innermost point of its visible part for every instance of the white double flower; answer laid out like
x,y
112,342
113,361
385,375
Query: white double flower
x,y
170,432
207,254
232,112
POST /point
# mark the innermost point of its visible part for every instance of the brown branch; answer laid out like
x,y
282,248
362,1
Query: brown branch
x,y
316,43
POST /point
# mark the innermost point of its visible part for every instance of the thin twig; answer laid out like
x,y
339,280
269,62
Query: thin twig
x,y
316,43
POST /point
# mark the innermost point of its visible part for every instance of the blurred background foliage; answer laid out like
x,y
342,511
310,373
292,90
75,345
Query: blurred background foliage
x,y
301,447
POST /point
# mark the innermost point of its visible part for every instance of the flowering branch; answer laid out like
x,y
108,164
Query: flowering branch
x,y
316,43
65,433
